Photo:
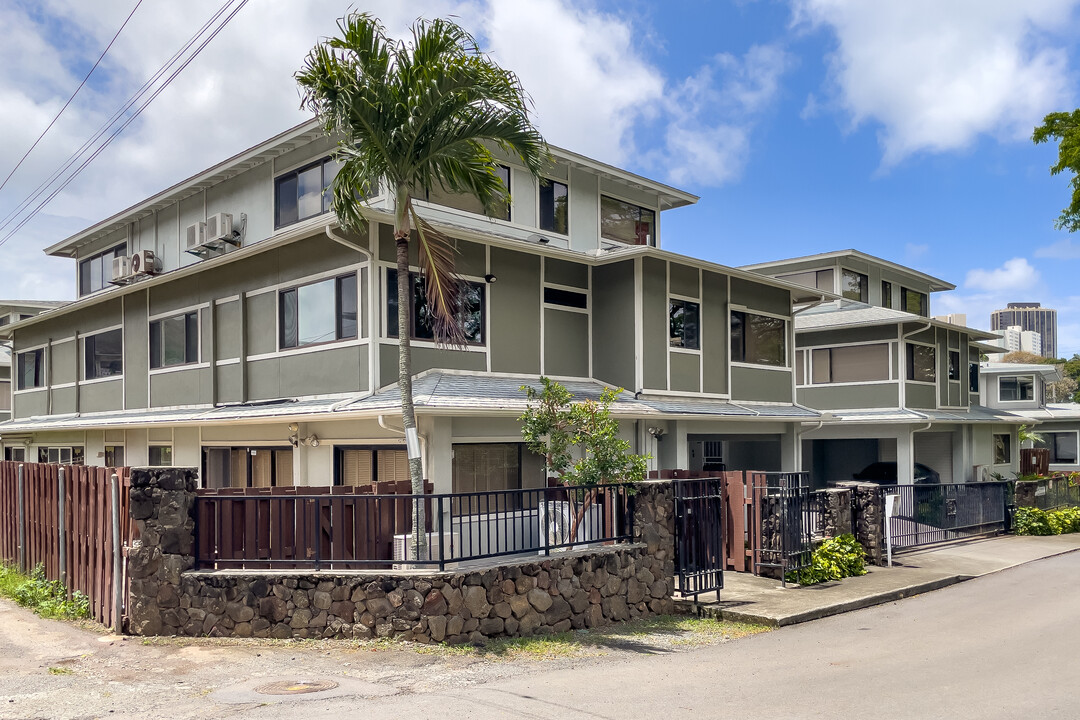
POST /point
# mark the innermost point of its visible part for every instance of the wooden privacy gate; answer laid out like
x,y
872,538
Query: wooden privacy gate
x,y
67,527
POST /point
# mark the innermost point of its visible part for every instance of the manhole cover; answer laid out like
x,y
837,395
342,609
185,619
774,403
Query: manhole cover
x,y
296,687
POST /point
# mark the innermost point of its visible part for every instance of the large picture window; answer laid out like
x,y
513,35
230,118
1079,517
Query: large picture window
x,y
174,340
1062,446
627,223
31,369
854,286
913,302
921,363
359,466
318,312
471,309
298,195
95,272
856,363
104,354
62,455
243,467
758,339
684,324
554,201
1016,387
491,467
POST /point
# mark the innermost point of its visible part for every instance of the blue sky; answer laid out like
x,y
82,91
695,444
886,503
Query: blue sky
x,y
897,127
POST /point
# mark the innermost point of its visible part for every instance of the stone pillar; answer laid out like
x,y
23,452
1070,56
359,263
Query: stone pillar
x,y
654,525
868,520
1025,493
837,507
163,509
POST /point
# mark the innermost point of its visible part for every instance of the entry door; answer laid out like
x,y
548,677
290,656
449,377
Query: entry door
x,y
935,450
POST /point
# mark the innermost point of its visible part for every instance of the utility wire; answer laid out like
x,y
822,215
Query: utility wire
x,y
53,122
142,91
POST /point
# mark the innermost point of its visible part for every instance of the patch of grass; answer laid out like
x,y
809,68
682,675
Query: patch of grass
x,y
47,598
61,671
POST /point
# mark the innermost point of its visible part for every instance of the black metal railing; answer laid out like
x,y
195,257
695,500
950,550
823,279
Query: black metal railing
x,y
926,514
1057,492
360,530
791,518
699,535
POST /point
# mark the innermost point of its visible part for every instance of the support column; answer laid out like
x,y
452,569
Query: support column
x,y
905,456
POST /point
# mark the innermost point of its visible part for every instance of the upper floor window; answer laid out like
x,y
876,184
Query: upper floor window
x,y
104,354
758,339
886,294
466,201
954,365
854,363
973,377
818,279
174,340
95,272
684,324
31,369
625,222
318,312
913,302
854,286
566,298
921,363
554,202
471,309
298,195
1016,387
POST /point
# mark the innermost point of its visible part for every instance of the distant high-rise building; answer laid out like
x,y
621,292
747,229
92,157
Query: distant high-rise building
x,y
1033,317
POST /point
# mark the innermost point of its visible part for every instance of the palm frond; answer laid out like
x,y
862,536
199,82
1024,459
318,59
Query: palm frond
x,y
441,282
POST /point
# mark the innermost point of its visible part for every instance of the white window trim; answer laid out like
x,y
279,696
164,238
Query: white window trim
x,y
934,382
809,362
1074,433
789,351
321,277
303,350
385,338
600,194
1034,390
569,195
178,312
180,368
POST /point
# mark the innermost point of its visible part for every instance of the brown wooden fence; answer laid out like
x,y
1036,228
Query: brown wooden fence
x,y
290,527
86,544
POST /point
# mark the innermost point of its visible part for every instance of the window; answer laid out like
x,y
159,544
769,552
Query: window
x,y
856,363
174,340
954,365
758,339
31,369
5,395
854,286
61,455
886,294
1002,448
466,201
913,302
625,222
160,456
921,363
1062,446
114,456
973,377
319,312
490,467
104,354
95,272
15,454
554,201
5,320
357,466
566,298
298,195
1016,387
243,467
471,310
684,327
800,367
818,279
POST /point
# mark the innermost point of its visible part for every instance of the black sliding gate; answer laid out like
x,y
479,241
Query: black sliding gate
x,y
927,514
699,538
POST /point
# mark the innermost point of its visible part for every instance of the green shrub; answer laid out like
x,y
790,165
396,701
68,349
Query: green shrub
x,y
1032,521
834,559
48,598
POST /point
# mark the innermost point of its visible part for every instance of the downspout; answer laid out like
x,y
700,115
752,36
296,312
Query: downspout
x,y
390,428
902,357
373,345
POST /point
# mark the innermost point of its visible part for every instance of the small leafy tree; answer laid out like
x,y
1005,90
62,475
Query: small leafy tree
x,y
580,442
1065,128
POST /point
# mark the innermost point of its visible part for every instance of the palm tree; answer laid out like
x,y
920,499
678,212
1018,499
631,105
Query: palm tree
x,y
417,116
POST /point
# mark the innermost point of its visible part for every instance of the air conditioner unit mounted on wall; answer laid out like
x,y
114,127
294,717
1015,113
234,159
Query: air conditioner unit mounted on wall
x,y
121,268
195,236
402,550
982,473
219,227
145,262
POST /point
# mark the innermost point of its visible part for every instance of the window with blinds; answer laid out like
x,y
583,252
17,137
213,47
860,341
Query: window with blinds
x,y
244,467
363,466
855,363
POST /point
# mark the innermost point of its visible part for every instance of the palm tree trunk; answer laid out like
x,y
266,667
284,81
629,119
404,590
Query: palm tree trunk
x,y
418,547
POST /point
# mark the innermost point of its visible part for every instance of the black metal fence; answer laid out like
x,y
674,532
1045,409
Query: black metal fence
x,y
1053,493
699,535
926,514
353,529
791,519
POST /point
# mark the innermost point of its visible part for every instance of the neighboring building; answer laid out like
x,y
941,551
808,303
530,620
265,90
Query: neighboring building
x,y
260,346
12,311
1029,317
953,318
861,278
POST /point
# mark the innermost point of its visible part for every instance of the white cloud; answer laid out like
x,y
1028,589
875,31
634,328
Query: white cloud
x,y
1061,250
915,250
1014,274
936,75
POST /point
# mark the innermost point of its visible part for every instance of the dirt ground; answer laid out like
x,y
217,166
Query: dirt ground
x,y
52,669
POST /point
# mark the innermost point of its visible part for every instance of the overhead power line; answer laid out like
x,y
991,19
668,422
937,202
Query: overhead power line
x,y
56,182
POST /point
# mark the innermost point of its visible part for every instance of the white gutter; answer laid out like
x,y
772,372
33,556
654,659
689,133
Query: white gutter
x,y
390,428
902,357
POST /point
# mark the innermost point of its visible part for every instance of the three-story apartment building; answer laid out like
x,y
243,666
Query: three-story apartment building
x,y
12,311
228,323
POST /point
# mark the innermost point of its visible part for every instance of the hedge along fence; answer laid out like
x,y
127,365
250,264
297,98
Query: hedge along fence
x,y
64,518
